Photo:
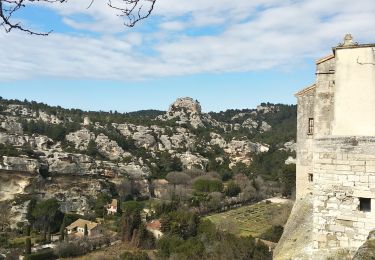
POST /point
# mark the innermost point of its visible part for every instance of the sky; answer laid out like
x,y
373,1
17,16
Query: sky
x,y
224,53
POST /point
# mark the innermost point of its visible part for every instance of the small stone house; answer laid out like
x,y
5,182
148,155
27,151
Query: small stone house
x,y
112,207
336,147
77,228
154,227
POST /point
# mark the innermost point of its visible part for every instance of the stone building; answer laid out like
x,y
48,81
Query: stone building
x,y
336,147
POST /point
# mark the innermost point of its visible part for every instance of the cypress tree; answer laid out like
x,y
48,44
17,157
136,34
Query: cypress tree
x,y
28,246
86,232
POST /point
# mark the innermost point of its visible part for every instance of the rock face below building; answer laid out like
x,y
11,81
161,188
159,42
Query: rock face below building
x,y
296,241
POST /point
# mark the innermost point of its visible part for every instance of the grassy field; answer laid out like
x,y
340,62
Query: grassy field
x,y
252,220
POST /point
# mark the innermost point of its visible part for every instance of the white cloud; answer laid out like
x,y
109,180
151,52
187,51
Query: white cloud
x,y
252,35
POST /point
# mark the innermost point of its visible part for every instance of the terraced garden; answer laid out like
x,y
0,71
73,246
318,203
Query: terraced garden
x,y
252,220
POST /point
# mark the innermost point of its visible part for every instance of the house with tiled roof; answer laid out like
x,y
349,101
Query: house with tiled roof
x,y
112,207
78,228
154,226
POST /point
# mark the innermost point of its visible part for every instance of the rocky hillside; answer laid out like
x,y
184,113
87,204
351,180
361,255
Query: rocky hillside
x,y
73,155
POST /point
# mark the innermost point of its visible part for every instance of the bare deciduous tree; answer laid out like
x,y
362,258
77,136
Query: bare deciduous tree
x,y
178,178
131,10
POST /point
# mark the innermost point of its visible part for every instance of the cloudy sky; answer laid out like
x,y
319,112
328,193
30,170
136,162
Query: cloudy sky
x,y
225,53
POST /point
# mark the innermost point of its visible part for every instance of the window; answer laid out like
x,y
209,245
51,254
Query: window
x,y
311,177
310,130
365,204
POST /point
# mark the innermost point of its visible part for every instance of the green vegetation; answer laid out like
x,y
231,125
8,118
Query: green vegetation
x,y
273,234
8,150
56,132
208,185
163,164
180,223
137,255
46,254
232,189
210,243
101,200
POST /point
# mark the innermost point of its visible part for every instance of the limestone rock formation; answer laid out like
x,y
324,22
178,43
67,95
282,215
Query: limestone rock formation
x,y
193,161
64,168
265,127
241,150
81,138
20,164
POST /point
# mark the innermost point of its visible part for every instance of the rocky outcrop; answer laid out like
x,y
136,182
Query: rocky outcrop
x,y
265,127
144,139
185,111
110,148
20,164
81,138
250,124
367,250
188,111
290,146
193,161
39,142
290,160
13,184
20,110
296,241
218,140
52,119
66,163
11,125
241,150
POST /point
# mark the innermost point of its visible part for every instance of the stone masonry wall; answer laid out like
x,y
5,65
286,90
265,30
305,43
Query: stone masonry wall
x,y
304,144
324,98
344,171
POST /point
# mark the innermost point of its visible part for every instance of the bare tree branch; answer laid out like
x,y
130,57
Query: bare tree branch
x,y
131,10
134,10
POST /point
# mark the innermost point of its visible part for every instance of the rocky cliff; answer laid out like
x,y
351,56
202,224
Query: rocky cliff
x,y
72,154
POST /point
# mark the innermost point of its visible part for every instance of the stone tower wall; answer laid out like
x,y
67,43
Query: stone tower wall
x,y
344,171
324,97
304,144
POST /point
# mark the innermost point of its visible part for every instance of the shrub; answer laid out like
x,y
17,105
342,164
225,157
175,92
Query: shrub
x,y
138,255
273,234
232,190
74,248
47,254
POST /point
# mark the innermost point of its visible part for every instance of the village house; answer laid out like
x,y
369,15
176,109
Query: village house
x,y
154,227
112,207
336,147
77,228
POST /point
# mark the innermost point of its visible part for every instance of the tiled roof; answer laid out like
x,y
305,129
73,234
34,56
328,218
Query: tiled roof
x,y
81,223
113,203
154,224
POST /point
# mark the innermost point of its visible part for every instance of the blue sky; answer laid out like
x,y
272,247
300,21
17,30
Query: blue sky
x,y
225,53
